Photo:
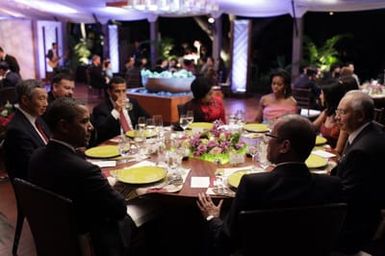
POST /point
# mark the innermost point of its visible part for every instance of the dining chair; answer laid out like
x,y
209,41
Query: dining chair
x,y
303,97
52,221
307,230
379,115
7,94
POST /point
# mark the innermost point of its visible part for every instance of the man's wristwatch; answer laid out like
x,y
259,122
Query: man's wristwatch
x,y
210,217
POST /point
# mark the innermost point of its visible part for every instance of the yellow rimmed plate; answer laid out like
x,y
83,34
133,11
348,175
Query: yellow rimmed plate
x,y
256,127
320,140
141,175
235,178
314,161
106,151
201,125
147,133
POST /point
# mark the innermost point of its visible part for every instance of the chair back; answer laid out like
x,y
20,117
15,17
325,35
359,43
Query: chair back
x,y
303,96
379,115
51,219
8,94
310,230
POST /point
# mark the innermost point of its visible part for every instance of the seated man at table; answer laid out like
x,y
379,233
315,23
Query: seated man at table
x,y
62,85
112,114
289,184
361,169
100,210
27,131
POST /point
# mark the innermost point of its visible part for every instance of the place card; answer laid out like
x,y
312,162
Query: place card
x,y
103,163
200,182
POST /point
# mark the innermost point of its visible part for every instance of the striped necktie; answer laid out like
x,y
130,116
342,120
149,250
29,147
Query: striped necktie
x,y
124,122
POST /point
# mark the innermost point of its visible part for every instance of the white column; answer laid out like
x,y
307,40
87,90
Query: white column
x,y
240,55
297,46
113,42
217,42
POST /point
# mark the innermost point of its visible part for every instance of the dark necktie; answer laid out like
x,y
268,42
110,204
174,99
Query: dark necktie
x,y
347,146
124,122
42,131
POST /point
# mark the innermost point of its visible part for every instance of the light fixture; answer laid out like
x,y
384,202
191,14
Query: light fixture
x,y
171,7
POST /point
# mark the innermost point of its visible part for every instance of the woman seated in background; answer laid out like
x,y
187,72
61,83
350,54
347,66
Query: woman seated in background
x,y
206,106
279,102
331,94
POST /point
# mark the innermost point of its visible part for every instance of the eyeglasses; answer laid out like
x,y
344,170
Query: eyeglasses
x,y
271,136
341,111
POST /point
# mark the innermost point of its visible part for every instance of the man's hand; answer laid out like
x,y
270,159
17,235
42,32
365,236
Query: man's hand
x,y
207,206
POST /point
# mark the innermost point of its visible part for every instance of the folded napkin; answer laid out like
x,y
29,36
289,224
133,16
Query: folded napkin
x,y
103,163
323,153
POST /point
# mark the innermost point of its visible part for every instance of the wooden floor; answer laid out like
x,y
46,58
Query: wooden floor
x,y
8,211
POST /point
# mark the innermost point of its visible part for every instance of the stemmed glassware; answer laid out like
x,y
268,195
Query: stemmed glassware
x,y
183,121
190,116
253,151
262,156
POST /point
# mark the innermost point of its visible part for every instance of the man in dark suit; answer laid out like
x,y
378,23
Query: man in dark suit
x,y
12,62
62,85
289,184
27,131
58,167
10,79
107,115
361,169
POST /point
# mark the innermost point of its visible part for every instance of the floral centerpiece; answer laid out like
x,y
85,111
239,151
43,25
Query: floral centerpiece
x,y
216,144
6,114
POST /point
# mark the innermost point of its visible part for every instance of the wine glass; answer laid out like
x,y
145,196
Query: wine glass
x,y
183,121
142,122
124,146
253,151
190,116
150,126
158,121
262,156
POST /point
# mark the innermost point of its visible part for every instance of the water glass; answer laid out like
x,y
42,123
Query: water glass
x,y
124,146
142,122
262,155
253,151
190,116
150,126
183,121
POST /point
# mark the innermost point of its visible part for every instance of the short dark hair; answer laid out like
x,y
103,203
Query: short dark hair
x,y
286,79
4,65
61,108
61,76
300,132
1,49
200,87
25,88
116,80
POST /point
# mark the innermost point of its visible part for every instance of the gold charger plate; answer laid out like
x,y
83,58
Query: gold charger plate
x,y
201,125
106,151
148,134
314,161
256,127
320,140
235,178
141,175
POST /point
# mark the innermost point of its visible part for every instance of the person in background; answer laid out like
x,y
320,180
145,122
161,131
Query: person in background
x,y
308,81
62,85
206,107
107,70
289,184
280,101
8,77
97,79
99,210
361,169
325,123
27,131
12,62
53,57
107,117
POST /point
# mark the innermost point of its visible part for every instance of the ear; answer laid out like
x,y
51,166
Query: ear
x,y
62,126
360,116
285,147
24,100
